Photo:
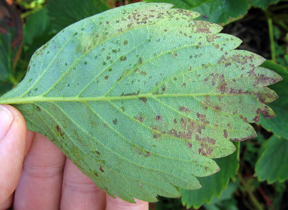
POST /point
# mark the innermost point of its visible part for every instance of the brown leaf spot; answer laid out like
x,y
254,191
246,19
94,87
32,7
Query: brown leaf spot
x,y
214,78
256,119
38,108
202,117
101,168
139,119
227,64
205,140
115,121
98,153
173,132
159,117
147,154
189,145
106,77
140,61
242,139
184,109
222,87
205,150
143,99
60,131
123,58
243,118
199,129
225,134
203,30
156,135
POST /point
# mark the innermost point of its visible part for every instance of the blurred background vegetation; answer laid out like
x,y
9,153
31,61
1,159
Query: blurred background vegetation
x,y
254,177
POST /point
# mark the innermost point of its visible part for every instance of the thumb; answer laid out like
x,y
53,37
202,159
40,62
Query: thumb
x,y
12,149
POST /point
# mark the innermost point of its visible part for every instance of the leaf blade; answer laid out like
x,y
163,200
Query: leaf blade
x,y
271,166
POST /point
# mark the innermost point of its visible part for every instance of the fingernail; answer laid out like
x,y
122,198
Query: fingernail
x,y
6,119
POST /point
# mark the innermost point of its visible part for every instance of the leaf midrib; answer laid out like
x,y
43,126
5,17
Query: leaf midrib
x,y
33,99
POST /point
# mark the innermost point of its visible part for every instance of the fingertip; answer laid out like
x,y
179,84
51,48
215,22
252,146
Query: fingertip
x,y
6,119
12,148
119,204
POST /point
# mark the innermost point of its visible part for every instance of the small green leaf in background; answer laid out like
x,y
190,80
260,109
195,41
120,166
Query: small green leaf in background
x,y
216,11
10,44
279,124
225,201
143,97
222,12
212,185
34,28
36,33
252,151
273,164
263,4
66,12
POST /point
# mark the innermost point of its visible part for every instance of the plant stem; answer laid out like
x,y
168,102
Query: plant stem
x,y
271,36
252,197
30,12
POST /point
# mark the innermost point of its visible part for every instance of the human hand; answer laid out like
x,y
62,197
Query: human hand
x,y
41,174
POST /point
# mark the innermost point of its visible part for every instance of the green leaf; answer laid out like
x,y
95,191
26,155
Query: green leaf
x,y
216,11
66,12
226,200
34,28
10,41
5,87
272,166
36,33
263,4
212,185
286,56
141,104
279,124
222,12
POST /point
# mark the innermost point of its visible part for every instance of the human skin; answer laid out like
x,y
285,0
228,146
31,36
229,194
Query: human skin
x,y
35,174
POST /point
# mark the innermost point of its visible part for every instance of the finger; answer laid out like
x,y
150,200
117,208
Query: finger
x,y
12,148
119,204
41,178
30,135
79,191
